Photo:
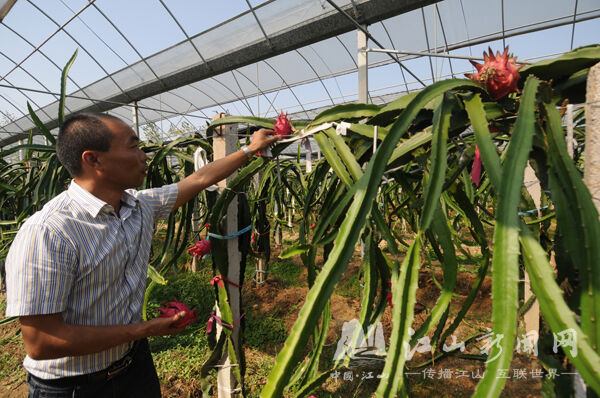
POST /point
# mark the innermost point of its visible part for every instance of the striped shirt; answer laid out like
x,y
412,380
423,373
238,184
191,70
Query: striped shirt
x,y
76,256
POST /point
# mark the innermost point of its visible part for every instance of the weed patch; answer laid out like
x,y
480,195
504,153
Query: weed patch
x,y
263,331
287,272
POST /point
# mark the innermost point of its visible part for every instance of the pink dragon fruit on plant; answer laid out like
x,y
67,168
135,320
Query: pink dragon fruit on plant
x,y
499,73
171,308
200,248
282,126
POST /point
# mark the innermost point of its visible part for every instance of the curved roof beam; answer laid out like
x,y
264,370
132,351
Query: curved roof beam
x,y
317,75
30,100
445,39
78,44
132,99
208,96
115,106
370,98
98,62
503,30
272,105
259,24
5,9
394,48
8,116
60,27
34,78
199,54
45,56
462,8
243,100
428,45
360,27
348,51
21,136
288,87
314,30
574,20
330,71
255,85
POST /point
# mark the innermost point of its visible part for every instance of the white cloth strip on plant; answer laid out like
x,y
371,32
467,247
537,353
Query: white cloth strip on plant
x,y
342,128
308,133
308,150
200,161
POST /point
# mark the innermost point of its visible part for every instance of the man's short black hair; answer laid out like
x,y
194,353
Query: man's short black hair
x,y
79,133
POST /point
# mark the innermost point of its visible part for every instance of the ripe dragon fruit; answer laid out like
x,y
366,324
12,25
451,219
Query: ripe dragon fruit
x,y
174,307
282,126
200,248
499,73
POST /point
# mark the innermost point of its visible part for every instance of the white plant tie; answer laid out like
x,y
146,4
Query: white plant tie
x,y
267,152
200,161
374,139
342,128
308,150
308,133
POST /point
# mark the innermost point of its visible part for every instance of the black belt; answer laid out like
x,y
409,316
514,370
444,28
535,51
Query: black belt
x,y
100,376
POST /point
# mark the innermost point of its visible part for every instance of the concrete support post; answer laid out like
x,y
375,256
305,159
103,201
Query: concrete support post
x,y
531,317
135,119
225,142
591,173
363,68
363,86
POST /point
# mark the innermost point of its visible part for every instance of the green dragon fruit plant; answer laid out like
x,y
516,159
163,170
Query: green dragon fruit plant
x,y
418,176
428,139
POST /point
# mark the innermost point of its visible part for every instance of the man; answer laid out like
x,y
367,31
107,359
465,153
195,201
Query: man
x,y
76,271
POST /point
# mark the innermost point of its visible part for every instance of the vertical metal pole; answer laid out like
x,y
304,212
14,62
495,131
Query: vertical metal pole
x,y
225,142
363,86
261,265
308,150
374,140
277,232
134,116
363,67
21,151
289,210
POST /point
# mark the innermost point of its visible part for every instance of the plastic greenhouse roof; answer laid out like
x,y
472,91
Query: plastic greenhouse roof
x,y
181,62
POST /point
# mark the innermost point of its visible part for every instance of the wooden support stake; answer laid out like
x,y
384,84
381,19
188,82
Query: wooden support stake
x,y
260,274
225,142
531,317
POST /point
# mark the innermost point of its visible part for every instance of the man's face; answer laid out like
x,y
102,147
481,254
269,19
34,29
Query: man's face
x,y
124,165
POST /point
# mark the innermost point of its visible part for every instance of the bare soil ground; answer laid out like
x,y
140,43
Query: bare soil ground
x,y
450,376
12,352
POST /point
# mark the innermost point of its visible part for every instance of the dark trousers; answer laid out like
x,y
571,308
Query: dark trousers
x,y
138,380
